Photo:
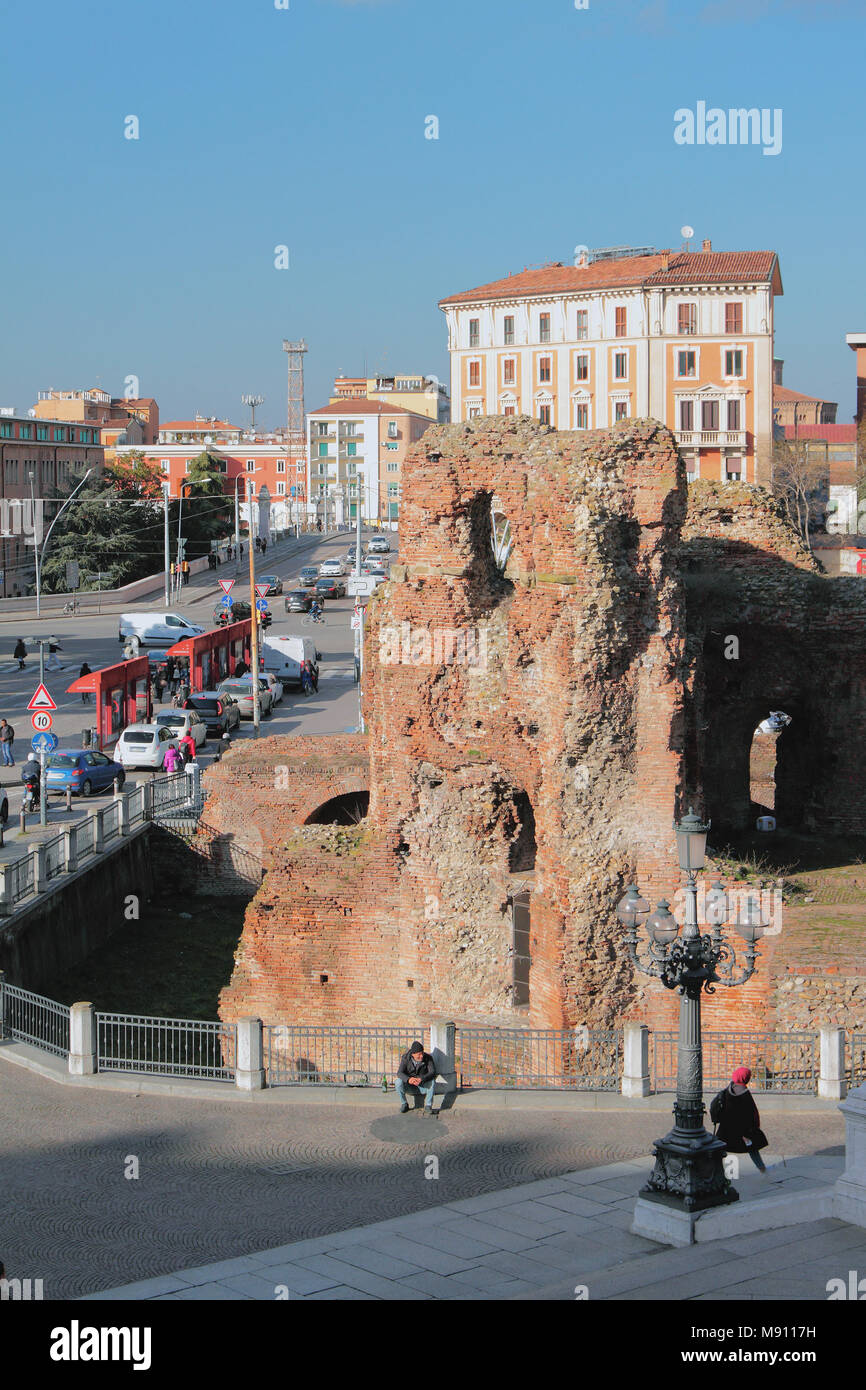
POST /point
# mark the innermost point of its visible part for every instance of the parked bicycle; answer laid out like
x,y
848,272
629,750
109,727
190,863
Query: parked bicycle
x,y
73,606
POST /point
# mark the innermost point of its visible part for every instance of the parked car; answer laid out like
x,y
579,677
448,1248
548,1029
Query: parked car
x,y
276,685
219,711
330,588
156,629
374,564
298,601
83,770
273,581
379,545
332,568
144,745
241,691
182,721
308,576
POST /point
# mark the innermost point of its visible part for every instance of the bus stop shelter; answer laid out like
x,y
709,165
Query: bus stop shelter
x,y
121,696
213,656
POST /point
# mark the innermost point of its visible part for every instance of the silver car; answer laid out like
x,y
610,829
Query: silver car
x,y
241,691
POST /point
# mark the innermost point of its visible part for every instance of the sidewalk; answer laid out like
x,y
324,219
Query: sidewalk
x,y
556,1239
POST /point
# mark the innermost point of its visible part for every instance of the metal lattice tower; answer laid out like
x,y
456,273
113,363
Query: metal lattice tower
x,y
297,433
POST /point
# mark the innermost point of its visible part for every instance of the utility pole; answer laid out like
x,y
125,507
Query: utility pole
x,y
254,632
296,432
167,553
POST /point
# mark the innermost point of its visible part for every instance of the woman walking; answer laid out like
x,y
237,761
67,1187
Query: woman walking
x,y
85,671
735,1114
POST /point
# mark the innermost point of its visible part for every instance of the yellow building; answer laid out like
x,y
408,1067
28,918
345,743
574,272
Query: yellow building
x,y
418,394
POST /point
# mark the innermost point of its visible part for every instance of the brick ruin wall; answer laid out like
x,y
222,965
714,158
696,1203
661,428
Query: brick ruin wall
x,y
571,705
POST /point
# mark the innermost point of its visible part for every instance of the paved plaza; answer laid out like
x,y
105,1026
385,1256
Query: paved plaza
x,y
233,1183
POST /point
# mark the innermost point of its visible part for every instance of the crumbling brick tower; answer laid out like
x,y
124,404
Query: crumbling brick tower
x,y
524,720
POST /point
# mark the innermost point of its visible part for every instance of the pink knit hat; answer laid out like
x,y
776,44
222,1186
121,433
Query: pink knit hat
x,y
742,1076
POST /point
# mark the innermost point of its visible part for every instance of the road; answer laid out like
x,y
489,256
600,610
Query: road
x,y
333,710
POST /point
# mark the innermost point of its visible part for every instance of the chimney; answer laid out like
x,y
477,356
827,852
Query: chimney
x,y
706,244
666,259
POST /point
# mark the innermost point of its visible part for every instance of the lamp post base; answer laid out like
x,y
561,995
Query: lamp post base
x,y
689,1173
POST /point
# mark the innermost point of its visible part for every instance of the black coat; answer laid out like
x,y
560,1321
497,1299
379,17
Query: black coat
x,y
740,1121
425,1069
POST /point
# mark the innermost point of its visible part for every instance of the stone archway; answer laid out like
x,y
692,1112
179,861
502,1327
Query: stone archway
x,y
347,808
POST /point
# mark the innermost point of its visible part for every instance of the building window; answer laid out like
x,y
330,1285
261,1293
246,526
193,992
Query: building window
x,y
41,431
323,451
393,490
165,464
474,332
392,429
281,489
687,415
474,373
619,328
351,450
544,414
251,465
734,362
733,318
508,371
509,330
320,427
620,410
709,415
393,467
58,434
25,431
620,366
687,320
510,410
582,366
5,430
686,364
734,469
582,323
544,369
733,415
251,488
392,448
281,465
544,328
474,412
581,417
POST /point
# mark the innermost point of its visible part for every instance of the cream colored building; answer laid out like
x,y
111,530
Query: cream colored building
x,y
682,337
419,394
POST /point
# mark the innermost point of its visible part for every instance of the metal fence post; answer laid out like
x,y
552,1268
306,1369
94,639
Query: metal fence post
x,y
40,882
97,832
123,812
635,1060
249,1069
2,1004
82,1040
443,1050
6,903
70,848
831,1075
148,800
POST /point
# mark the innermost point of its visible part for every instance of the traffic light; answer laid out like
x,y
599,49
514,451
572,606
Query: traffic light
x,y
181,548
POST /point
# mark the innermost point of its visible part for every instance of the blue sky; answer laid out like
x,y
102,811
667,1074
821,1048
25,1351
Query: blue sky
x,y
305,127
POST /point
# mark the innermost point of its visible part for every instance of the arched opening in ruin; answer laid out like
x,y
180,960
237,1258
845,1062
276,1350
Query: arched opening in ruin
x,y
350,808
521,853
520,944
762,762
491,541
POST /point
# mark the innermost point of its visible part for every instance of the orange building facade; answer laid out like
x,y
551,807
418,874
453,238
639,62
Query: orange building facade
x,y
682,337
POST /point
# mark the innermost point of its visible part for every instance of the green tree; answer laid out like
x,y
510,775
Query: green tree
x,y
135,475
121,540
207,511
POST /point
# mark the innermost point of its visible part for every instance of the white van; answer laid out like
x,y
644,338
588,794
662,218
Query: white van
x,y
284,655
157,629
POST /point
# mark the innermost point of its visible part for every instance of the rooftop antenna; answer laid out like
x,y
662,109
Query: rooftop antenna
x,y
253,402
687,233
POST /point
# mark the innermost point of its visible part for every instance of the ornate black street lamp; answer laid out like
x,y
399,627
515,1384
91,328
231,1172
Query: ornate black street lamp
x,y
689,1172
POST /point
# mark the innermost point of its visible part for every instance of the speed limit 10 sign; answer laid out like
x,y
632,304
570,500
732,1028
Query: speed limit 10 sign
x,y
42,720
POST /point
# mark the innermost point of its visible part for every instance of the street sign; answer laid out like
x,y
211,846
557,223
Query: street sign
x,y
361,584
41,699
225,585
293,491
42,719
43,743
262,605
356,621
227,601
73,578
262,589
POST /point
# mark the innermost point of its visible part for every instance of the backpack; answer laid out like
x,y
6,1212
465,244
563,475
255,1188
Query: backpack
x,y
717,1106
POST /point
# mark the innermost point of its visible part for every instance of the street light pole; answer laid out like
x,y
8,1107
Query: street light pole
x,y
166,544
254,632
688,1172
39,552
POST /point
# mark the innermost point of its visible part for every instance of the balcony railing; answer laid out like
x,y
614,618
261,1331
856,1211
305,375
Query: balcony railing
x,y
701,439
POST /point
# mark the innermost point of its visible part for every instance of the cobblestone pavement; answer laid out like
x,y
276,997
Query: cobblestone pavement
x,y
219,1180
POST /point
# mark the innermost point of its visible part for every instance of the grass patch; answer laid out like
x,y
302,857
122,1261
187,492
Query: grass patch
x,y
164,964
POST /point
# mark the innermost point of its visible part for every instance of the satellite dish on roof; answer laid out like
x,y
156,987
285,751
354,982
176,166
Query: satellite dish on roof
x,y
687,232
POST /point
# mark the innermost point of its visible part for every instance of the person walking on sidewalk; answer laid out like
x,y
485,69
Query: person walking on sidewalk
x,y
306,678
734,1113
52,664
85,671
20,654
7,737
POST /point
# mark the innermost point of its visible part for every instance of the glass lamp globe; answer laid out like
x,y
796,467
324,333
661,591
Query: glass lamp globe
x,y
691,841
662,925
749,921
632,909
716,905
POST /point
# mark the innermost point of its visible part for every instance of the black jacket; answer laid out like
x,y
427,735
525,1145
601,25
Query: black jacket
x,y
739,1121
425,1070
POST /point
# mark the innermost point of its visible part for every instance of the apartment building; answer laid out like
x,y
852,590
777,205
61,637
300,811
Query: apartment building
x,y
115,415
356,449
39,457
682,337
416,393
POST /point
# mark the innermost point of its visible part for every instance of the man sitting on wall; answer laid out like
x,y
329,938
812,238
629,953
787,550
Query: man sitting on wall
x,y
417,1071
